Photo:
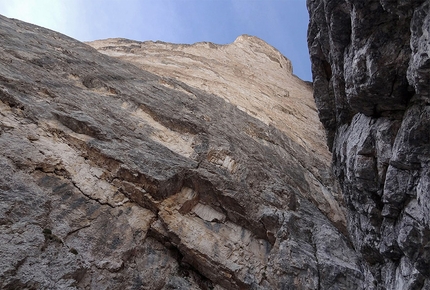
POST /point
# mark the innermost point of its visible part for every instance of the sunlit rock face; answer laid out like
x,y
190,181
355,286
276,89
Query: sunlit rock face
x,y
371,73
192,167
255,78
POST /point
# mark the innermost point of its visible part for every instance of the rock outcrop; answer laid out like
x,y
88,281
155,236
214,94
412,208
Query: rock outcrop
x,y
254,77
371,73
154,176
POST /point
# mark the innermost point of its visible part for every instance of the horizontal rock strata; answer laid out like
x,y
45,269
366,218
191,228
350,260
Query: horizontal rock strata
x,y
127,176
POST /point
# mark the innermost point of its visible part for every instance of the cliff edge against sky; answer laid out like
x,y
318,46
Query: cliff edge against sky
x,y
150,165
174,171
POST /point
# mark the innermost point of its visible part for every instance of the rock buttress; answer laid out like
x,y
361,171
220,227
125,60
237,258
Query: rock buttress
x,y
371,70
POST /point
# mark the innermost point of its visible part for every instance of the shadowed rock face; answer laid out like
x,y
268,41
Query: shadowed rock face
x,y
371,72
117,177
252,76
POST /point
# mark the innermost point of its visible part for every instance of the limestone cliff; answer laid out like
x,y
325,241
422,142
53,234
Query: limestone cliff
x,y
371,73
254,77
194,167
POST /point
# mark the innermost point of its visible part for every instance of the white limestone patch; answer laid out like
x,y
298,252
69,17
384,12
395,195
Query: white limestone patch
x,y
207,213
226,247
180,143
220,158
84,174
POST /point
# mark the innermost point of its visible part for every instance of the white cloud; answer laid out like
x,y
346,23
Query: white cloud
x,y
52,14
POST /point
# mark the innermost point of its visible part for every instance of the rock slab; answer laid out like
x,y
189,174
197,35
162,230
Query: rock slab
x,y
117,175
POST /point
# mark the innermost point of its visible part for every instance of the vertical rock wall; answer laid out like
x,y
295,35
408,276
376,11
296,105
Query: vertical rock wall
x,y
371,71
115,177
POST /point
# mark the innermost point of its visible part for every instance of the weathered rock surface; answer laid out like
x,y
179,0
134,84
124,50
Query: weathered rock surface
x,y
371,72
254,77
116,177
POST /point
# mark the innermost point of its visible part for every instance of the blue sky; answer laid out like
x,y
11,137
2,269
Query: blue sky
x,y
281,23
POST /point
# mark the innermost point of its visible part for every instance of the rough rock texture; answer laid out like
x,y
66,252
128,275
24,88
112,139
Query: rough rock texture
x,y
115,177
371,72
254,77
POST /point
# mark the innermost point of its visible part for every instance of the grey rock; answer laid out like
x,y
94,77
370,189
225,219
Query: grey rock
x,y
377,121
115,177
